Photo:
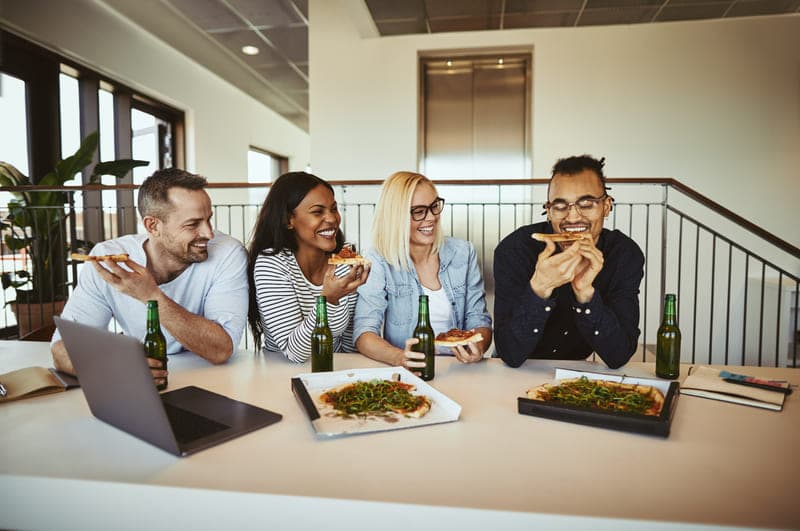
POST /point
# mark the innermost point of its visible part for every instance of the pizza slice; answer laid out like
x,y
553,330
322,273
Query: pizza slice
x,y
602,394
100,257
347,255
376,397
560,237
455,337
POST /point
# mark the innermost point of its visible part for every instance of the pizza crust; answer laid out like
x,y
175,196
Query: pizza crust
x,y
100,257
420,411
356,260
560,236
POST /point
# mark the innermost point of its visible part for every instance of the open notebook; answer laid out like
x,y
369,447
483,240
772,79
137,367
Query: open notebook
x,y
34,381
706,382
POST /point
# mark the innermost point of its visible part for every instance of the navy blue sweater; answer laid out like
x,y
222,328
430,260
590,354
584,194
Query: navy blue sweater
x,y
527,326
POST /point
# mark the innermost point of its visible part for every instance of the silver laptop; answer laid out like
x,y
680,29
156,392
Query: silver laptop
x,y
118,385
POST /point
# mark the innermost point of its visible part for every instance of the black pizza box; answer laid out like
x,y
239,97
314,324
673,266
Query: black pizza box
x,y
631,422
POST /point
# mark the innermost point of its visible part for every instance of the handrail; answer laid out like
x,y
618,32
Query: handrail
x,y
697,196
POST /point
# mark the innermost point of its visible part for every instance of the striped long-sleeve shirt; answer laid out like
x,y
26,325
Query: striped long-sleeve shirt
x,y
286,304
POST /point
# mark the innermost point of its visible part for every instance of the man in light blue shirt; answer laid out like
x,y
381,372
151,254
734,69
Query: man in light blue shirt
x,y
198,276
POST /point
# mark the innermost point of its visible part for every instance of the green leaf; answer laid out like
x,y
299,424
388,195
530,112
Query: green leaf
x,y
15,244
68,167
117,168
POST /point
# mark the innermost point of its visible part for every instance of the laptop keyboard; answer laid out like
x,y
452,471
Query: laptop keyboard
x,y
188,426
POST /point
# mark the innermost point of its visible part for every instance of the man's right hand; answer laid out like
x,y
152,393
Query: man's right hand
x,y
159,374
554,270
137,283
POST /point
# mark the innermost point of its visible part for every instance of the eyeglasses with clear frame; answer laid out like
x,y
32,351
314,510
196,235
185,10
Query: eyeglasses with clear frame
x,y
587,206
418,213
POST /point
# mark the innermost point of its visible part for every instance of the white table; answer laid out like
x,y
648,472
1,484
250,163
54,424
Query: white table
x,y
721,465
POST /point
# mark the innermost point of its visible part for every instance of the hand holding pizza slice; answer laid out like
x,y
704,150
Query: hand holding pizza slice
x,y
455,337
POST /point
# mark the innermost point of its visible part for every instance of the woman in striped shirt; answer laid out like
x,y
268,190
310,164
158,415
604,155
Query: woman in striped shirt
x,y
296,232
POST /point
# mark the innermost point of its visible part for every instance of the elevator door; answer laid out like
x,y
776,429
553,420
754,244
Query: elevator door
x,y
476,118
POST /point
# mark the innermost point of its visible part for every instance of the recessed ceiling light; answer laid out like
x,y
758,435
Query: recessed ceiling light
x,y
249,50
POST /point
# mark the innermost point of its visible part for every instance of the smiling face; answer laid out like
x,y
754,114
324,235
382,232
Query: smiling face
x,y
315,221
570,189
184,233
423,232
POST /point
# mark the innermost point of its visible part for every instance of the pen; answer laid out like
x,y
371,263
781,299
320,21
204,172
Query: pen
x,y
766,387
3,391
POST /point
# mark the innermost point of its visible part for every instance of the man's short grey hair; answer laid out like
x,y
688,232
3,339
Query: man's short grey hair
x,y
153,199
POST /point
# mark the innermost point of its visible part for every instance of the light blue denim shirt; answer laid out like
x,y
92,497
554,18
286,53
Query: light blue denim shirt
x,y
388,302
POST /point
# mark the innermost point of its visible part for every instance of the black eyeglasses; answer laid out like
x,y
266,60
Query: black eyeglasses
x,y
586,205
418,213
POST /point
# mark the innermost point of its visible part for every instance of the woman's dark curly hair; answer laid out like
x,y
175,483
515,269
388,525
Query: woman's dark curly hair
x,y
272,235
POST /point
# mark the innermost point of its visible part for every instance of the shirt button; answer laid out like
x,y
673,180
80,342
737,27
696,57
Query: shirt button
x,y
555,350
597,332
588,311
547,308
566,332
578,310
535,330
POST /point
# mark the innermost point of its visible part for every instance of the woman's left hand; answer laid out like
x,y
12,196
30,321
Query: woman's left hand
x,y
469,353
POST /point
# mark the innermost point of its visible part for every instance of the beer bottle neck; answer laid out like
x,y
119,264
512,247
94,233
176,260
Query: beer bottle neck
x,y
424,315
153,323
322,310
669,310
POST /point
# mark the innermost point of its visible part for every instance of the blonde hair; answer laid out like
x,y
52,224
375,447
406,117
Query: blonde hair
x,y
391,229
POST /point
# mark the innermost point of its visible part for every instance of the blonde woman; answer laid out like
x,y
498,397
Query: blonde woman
x,y
411,257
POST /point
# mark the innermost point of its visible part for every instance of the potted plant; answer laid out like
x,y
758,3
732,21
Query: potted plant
x,y
35,225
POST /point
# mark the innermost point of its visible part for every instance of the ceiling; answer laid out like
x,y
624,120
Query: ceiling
x,y
213,32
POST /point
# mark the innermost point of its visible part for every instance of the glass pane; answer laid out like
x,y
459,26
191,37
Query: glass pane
x,y
261,168
145,143
106,118
145,147
69,101
14,117
13,150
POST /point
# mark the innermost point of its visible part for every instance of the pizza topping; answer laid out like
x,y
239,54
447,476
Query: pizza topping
x,y
455,333
375,397
601,394
347,252
347,255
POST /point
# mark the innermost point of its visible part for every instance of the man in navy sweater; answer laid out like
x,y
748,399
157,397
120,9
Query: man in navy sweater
x,y
567,300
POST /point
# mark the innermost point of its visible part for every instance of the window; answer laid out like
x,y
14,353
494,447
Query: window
x,y
263,167
13,134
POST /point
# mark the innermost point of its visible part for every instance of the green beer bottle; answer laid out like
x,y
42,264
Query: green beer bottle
x,y
426,345
321,340
668,342
155,344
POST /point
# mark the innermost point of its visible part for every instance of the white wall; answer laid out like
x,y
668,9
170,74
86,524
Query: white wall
x,y
714,104
222,121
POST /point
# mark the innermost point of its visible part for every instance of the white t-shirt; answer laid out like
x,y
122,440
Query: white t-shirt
x,y
215,289
440,313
